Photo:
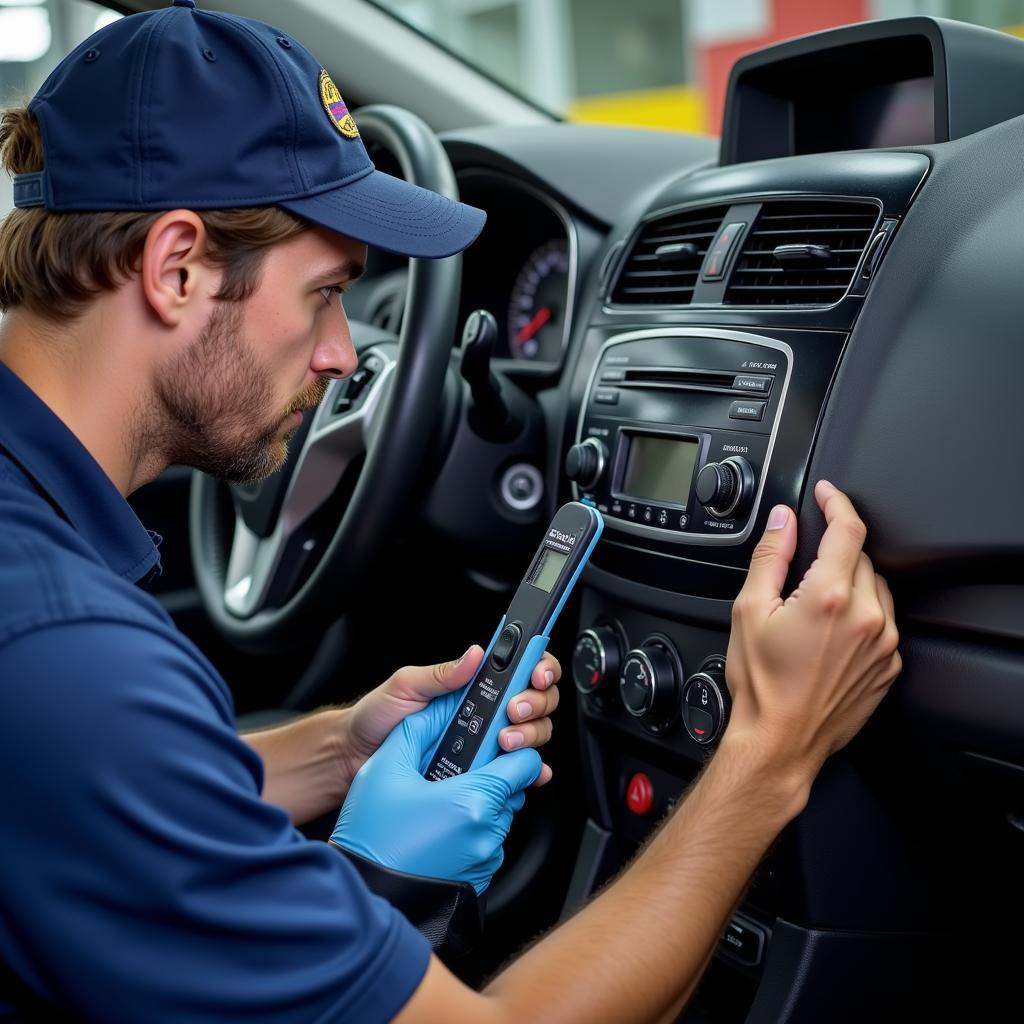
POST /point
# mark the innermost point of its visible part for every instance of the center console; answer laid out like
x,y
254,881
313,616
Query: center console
x,y
716,328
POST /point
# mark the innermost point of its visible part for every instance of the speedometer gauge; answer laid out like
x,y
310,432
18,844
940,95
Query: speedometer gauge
x,y
536,313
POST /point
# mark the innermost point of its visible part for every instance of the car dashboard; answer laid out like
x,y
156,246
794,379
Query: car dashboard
x,y
704,331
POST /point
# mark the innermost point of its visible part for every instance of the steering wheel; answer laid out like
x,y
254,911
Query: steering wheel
x,y
247,577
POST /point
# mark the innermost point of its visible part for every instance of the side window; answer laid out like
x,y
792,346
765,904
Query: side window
x,y
34,36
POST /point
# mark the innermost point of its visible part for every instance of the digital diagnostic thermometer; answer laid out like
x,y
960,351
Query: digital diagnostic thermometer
x,y
518,643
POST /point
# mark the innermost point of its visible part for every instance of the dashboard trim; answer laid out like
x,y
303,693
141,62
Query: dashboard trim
x,y
686,540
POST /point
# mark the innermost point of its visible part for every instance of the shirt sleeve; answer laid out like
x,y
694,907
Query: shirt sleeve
x,y
143,877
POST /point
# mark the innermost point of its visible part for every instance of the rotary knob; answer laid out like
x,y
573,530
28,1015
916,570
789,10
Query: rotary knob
x,y
726,488
706,701
649,683
596,658
584,463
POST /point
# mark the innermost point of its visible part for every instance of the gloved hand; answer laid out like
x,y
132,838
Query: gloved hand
x,y
453,829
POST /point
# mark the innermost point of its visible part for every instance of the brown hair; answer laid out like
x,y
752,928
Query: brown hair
x,y
54,264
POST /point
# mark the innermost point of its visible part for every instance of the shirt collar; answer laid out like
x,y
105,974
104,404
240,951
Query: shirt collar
x,y
73,481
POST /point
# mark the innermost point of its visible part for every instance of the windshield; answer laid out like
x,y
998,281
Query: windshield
x,y
648,63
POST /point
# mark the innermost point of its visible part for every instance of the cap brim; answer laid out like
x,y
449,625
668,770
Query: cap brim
x,y
389,213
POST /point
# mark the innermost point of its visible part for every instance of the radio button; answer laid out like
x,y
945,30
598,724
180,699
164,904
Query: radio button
x,y
760,384
726,488
584,463
746,410
613,375
606,397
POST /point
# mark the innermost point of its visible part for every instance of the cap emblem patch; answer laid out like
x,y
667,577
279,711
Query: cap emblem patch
x,y
335,107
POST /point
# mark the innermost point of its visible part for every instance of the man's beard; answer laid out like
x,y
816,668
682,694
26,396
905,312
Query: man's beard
x,y
216,406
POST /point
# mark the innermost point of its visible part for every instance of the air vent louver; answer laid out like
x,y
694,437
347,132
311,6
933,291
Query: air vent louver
x,y
668,279
831,234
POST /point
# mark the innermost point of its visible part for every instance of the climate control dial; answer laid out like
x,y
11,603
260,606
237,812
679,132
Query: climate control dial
x,y
597,658
649,682
706,701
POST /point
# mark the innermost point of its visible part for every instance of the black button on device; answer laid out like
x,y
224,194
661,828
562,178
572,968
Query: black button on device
x,y
613,375
606,397
506,646
745,382
746,410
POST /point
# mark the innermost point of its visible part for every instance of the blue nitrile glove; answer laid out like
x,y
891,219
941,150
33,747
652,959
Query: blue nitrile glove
x,y
451,829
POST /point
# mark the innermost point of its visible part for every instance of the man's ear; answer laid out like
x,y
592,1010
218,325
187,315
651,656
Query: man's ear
x,y
173,271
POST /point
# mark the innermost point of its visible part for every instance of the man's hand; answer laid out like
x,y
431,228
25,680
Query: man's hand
x,y
368,723
806,672
452,829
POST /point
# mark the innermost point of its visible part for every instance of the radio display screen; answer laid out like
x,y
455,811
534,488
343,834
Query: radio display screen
x,y
660,468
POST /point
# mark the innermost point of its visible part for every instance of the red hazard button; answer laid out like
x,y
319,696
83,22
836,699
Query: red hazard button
x,y
639,794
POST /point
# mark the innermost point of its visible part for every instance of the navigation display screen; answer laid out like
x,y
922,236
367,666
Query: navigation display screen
x,y
660,468
546,576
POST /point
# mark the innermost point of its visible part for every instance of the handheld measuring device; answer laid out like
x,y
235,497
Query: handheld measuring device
x,y
518,643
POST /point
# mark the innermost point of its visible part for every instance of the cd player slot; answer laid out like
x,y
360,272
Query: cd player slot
x,y
671,378
662,376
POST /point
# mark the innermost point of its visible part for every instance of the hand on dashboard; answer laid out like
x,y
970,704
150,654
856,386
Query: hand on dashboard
x,y
806,672
413,687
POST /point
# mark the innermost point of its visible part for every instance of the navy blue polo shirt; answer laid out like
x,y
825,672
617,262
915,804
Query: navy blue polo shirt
x,y
142,878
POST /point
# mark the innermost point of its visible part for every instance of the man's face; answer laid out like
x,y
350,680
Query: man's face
x,y
232,399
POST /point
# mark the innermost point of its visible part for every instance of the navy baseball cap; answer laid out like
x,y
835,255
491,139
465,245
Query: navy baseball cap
x,y
203,110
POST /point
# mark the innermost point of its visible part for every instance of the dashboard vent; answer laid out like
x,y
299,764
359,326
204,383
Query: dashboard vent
x,y
662,267
801,252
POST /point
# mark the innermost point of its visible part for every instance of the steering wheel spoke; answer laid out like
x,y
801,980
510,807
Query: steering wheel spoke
x,y
334,442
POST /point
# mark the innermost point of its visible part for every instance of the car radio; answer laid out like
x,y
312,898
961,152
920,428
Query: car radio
x,y
676,431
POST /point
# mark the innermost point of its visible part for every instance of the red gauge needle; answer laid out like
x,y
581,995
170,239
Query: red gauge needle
x,y
527,331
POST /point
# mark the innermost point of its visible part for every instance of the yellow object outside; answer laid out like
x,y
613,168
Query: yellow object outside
x,y
1015,30
675,108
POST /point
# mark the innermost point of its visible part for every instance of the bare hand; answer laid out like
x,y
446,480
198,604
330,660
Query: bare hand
x,y
805,673
411,688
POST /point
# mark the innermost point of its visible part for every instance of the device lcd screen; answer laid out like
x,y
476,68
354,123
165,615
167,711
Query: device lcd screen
x,y
550,566
660,468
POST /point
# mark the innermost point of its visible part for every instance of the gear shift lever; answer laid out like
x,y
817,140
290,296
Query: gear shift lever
x,y
494,420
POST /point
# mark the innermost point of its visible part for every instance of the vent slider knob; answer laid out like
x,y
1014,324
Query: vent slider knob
x,y
802,253
677,252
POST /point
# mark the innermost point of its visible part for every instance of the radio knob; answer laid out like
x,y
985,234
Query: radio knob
x,y
649,684
584,463
726,488
596,658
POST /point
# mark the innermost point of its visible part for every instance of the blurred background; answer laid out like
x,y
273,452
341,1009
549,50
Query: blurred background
x,y
660,64
649,63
